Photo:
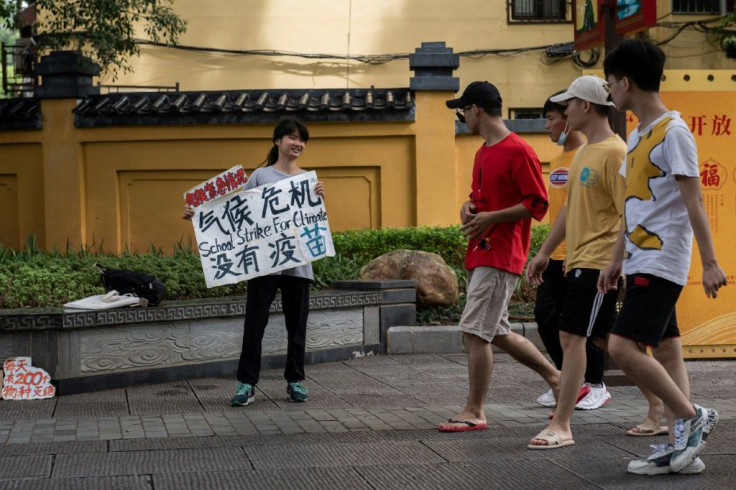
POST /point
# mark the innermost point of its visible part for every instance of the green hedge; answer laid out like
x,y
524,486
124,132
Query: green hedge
x,y
33,278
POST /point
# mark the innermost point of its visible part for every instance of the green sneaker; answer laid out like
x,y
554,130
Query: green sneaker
x,y
244,396
297,392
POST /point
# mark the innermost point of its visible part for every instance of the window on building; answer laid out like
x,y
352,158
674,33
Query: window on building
x,y
538,11
715,7
526,113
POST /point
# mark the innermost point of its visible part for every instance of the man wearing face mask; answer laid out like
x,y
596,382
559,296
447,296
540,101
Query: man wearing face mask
x,y
551,293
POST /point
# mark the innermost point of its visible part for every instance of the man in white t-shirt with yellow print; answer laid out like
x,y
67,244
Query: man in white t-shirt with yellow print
x,y
664,208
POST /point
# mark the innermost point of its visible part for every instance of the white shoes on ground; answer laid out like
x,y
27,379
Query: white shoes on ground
x,y
596,398
547,399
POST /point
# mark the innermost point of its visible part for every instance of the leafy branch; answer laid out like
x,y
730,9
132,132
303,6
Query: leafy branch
x,y
725,33
104,30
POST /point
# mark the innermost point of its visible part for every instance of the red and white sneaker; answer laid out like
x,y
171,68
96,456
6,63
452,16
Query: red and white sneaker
x,y
548,399
596,398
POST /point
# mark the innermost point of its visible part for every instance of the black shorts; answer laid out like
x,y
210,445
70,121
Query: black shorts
x,y
648,313
587,313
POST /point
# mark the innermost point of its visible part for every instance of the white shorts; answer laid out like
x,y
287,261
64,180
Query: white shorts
x,y
486,312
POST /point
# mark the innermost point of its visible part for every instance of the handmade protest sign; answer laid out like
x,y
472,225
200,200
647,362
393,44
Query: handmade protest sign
x,y
22,381
220,185
262,230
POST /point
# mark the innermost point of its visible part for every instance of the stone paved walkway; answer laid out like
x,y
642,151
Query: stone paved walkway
x,y
369,423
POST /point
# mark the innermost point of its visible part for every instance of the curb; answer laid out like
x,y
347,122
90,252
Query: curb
x,y
444,339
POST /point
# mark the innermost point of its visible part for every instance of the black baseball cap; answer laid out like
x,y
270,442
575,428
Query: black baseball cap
x,y
482,94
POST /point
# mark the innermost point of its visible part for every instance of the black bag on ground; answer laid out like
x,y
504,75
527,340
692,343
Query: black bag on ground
x,y
124,281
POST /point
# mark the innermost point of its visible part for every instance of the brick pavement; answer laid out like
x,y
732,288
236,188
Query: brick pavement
x,y
371,420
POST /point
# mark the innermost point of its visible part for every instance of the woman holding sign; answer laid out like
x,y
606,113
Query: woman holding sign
x,y
289,140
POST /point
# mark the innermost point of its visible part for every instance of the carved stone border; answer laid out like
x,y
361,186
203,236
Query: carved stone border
x,y
57,318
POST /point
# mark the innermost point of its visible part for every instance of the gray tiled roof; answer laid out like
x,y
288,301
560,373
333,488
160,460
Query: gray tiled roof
x,y
20,113
244,106
221,107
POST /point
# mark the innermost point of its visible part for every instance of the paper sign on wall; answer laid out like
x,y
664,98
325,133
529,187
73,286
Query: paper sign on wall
x,y
220,185
262,230
22,381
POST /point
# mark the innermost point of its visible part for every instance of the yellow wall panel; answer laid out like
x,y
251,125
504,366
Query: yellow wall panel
x,y
352,197
22,190
9,211
151,206
134,188
392,156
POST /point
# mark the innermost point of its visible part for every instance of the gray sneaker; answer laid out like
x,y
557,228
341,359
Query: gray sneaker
x,y
658,463
710,423
690,437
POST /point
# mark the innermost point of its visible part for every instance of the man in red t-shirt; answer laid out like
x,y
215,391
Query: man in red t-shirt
x,y
508,190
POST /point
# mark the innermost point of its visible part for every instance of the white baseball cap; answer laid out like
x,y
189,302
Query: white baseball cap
x,y
588,87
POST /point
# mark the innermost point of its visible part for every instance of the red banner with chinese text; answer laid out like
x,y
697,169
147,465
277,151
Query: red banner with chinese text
x,y
220,185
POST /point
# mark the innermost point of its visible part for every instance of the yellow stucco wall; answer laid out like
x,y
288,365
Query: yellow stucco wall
x,y
133,178
21,191
690,49
120,188
97,186
378,27
354,27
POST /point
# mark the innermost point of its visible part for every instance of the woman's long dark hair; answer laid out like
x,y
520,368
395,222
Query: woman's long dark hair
x,y
285,128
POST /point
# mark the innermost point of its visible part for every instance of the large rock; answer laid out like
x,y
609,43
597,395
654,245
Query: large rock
x,y
436,281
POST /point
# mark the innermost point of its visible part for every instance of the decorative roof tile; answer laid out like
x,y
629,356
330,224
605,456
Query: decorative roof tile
x,y
244,106
20,113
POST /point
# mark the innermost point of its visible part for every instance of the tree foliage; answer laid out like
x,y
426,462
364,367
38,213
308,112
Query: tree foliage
x,y
8,10
725,32
105,30
35,278
7,36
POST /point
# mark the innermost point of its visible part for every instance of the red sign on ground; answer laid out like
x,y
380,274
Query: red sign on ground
x,y
25,382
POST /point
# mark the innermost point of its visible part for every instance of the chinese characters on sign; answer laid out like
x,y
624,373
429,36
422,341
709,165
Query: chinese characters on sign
x,y
720,124
218,186
262,230
712,175
712,204
715,124
22,381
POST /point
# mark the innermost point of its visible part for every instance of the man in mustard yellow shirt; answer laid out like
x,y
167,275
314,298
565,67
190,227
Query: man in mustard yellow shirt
x,y
551,293
589,223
